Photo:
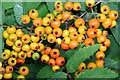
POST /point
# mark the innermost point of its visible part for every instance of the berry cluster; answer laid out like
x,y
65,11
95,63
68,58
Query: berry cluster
x,y
49,29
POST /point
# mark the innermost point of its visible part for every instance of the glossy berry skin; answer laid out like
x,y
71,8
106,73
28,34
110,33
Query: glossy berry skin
x,y
37,22
82,29
51,62
89,42
105,33
72,29
66,15
100,63
7,75
100,55
25,38
101,17
65,33
91,65
48,30
5,34
50,16
51,38
73,35
59,8
66,40
11,29
101,39
35,56
12,61
73,44
25,19
68,5
20,77
82,67
113,14
2,70
13,54
76,74
12,37
22,55
58,41
29,53
114,23
94,23
39,31
46,21
76,6
40,47
80,38
55,23
34,46
92,32
57,32
24,70
19,33
107,43
64,46
56,68
58,3
45,58
33,13
79,22
25,47
18,43
15,48
105,9
9,69
5,55
90,3
9,43
54,53
103,48
107,23
20,61
60,61
35,38
99,32
47,50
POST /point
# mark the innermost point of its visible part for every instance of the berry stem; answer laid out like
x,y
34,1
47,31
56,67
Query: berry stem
x,y
90,9
66,23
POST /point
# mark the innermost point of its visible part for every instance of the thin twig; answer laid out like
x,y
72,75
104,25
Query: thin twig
x,y
90,9
66,23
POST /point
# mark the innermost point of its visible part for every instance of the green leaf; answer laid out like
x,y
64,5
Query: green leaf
x,y
1,13
9,20
7,5
27,6
112,64
67,54
25,31
98,73
45,72
83,6
113,50
14,75
50,6
18,12
43,11
1,40
59,75
116,32
34,69
79,56
112,5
